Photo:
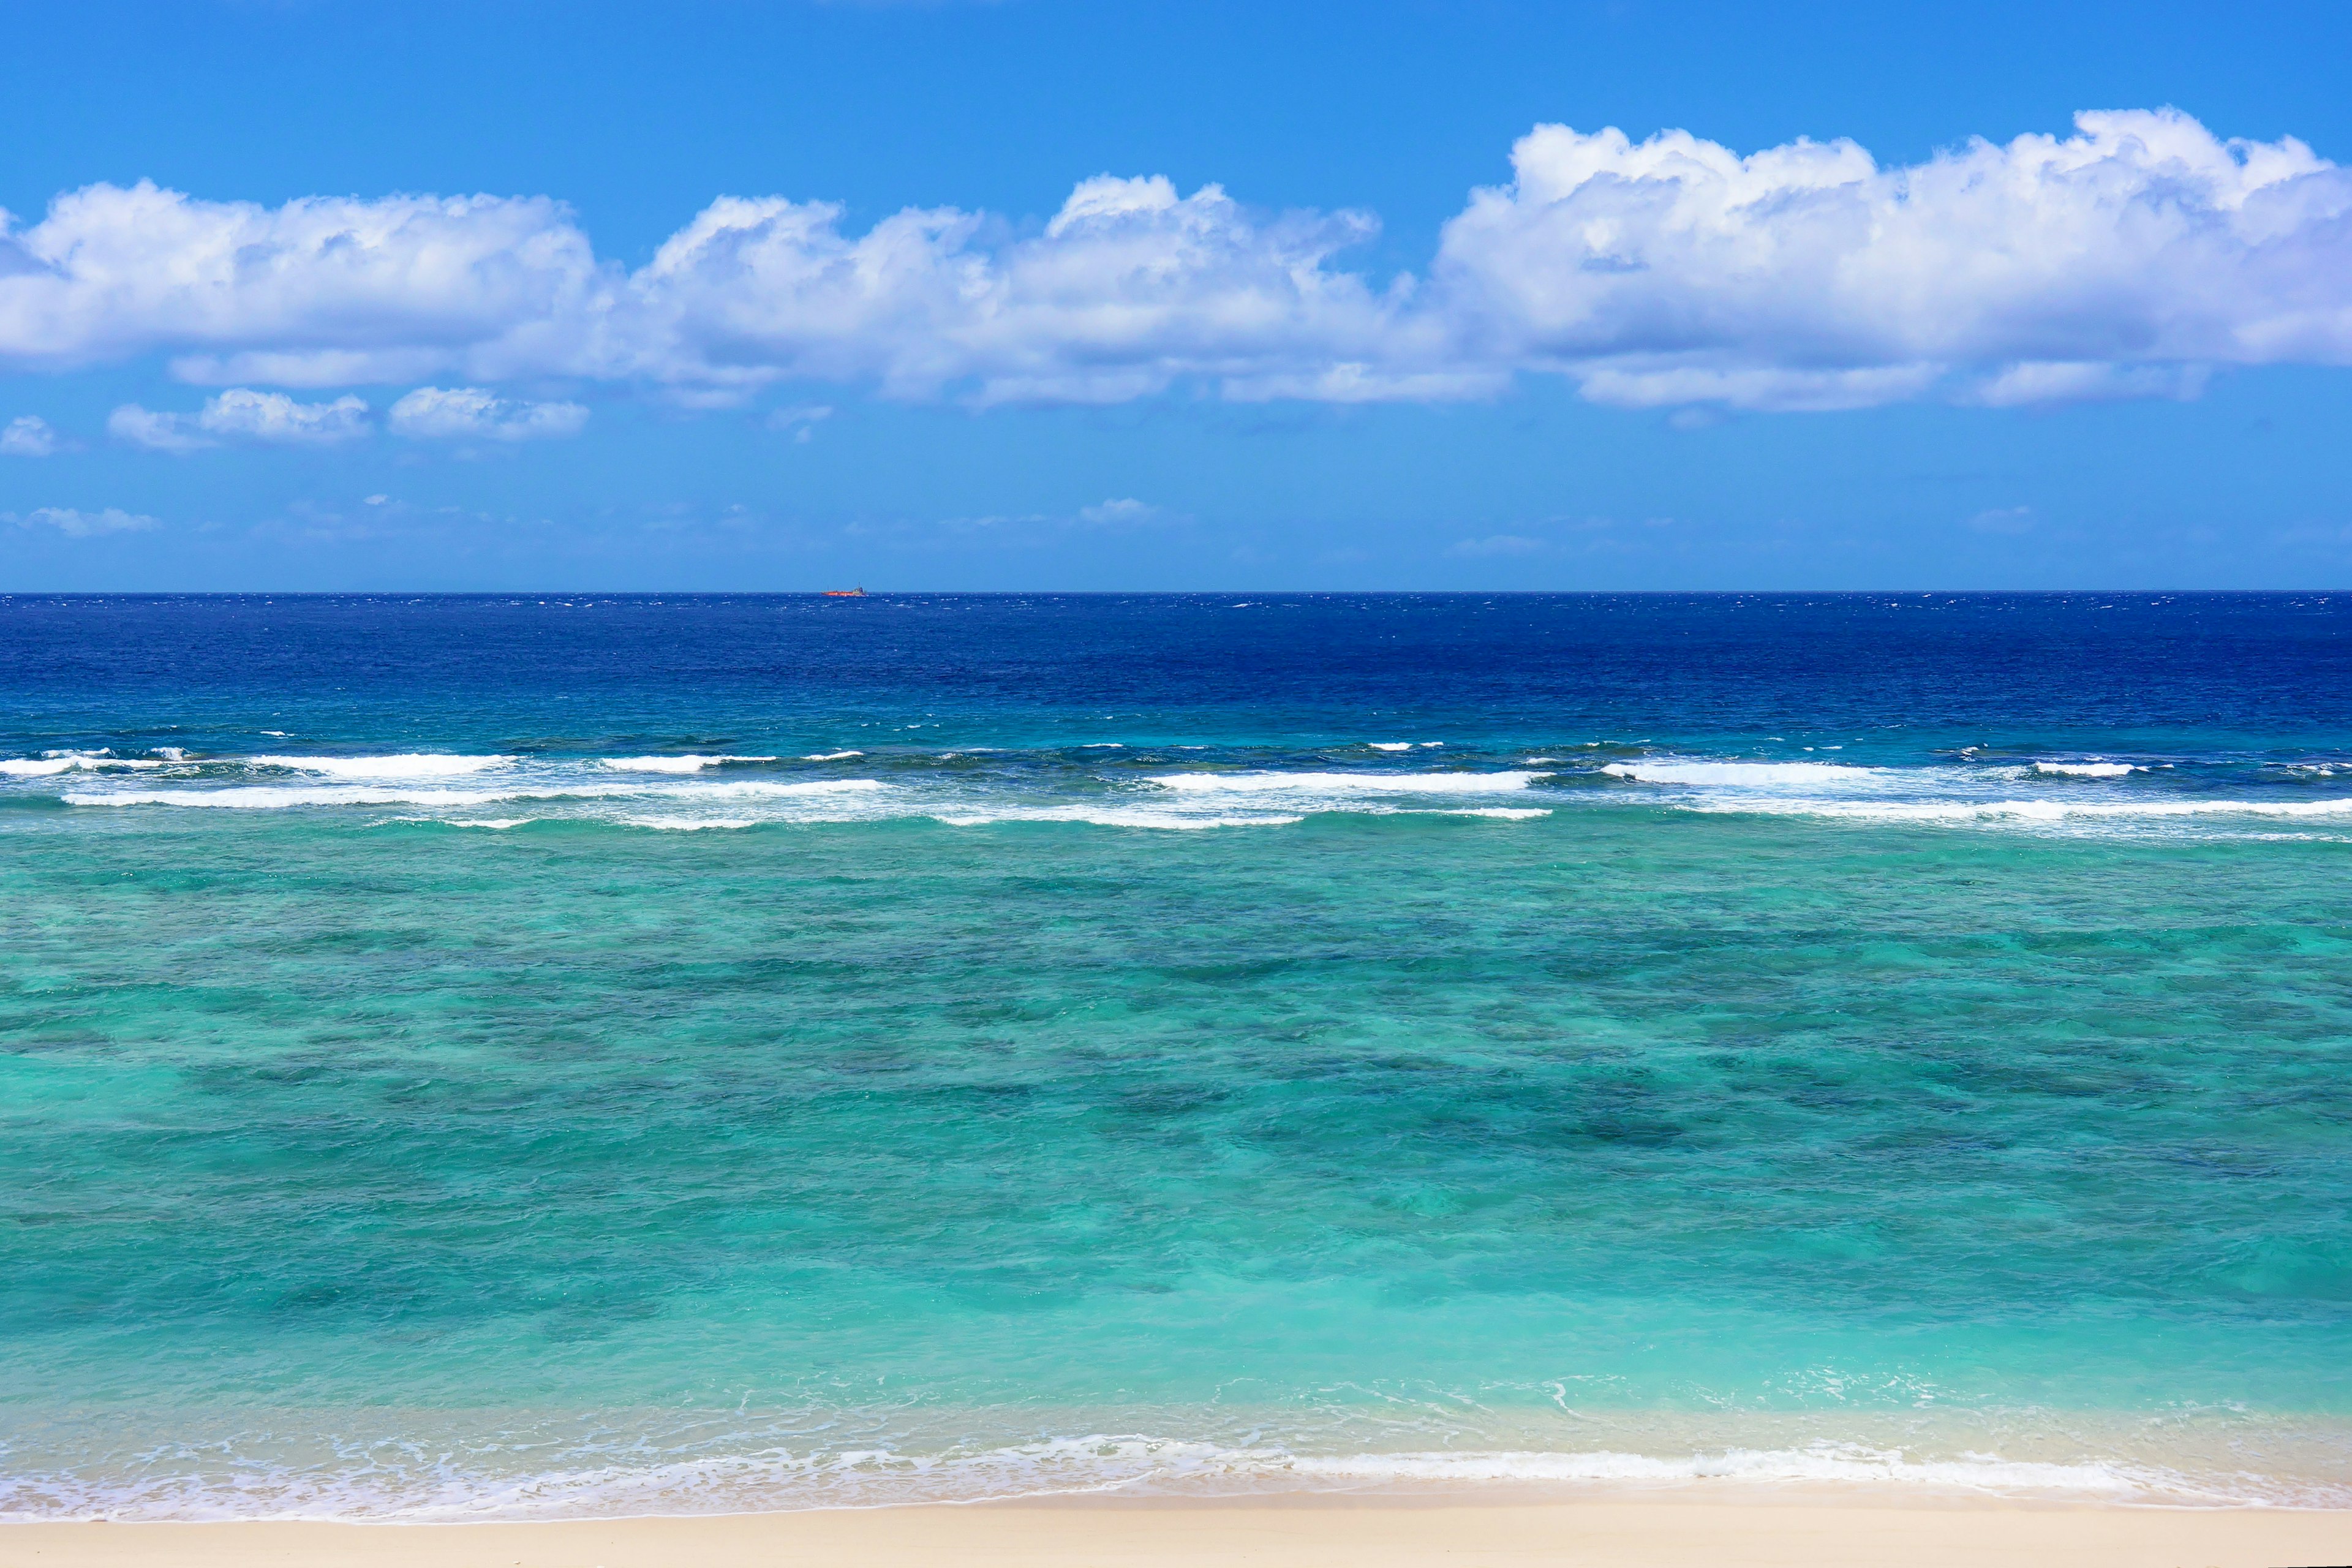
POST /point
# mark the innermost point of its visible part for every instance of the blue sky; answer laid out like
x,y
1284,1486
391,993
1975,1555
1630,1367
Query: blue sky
x,y
2114,357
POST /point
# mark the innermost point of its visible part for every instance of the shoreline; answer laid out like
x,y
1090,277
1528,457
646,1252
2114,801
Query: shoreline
x,y
1311,1529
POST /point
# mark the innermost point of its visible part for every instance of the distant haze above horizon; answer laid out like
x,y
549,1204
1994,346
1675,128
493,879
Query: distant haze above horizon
x,y
1042,295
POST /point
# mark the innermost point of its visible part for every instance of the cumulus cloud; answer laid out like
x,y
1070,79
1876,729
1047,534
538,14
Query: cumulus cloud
x,y
242,414
322,291
2125,260
29,436
473,412
78,525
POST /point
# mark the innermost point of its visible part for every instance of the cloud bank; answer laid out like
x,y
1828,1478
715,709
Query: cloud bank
x,y
2127,261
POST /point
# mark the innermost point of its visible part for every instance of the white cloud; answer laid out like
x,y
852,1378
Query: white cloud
x,y
473,412
1128,288
29,436
138,427
801,419
2011,519
2043,381
2125,260
320,291
1499,544
1673,270
83,524
1124,511
241,413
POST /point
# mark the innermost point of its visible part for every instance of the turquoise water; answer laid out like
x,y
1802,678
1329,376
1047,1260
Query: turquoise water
x,y
388,1135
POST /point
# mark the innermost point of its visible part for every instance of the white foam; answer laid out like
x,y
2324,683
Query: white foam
x,y
1344,783
1110,816
1500,813
404,765
403,1483
1825,1463
690,764
69,762
1390,745
2088,770
2029,810
1753,775
277,797
830,756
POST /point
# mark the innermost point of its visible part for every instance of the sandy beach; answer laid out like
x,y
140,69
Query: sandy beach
x,y
1309,1533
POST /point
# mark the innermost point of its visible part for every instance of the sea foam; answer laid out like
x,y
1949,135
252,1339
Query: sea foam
x,y
50,763
413,1487
2088,770
275,797
1344,783
690,764
1754,775
401,765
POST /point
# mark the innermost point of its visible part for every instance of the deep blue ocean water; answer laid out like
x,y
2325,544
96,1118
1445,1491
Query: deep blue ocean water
x,y
579,1054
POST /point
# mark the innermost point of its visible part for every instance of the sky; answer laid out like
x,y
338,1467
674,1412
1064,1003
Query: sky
x,y
1077,295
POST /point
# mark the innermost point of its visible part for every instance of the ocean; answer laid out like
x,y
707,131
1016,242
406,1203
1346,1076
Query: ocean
x,y
539,1055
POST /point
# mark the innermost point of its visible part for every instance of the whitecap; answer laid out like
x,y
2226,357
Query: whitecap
x,y
690,764
1753,775
2028,810
1108,816
1344,783
401,765
2088,770
832,756
56,763
276,797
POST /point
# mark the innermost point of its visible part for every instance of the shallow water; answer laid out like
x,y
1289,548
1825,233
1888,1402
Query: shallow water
x,y
1168,1042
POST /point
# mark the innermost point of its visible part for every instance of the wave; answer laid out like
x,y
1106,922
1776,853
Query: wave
x,y
72,761
275,797
1755,775
1108,817
403,765
2025,810
690,764
830,756
777,1480
2089,770
1345,783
